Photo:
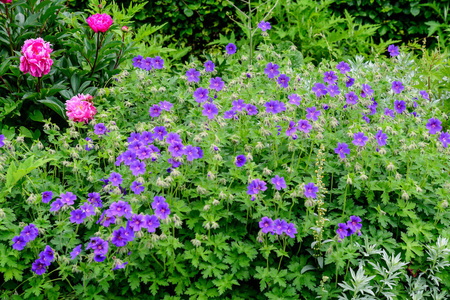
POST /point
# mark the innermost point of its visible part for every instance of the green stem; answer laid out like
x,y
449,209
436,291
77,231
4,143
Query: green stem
x,y
345,202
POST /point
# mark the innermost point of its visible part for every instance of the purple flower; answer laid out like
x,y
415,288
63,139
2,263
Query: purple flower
x,y
279,182
165,105
210,110
279,226
209,66
354,223
444,139
176,149
330,77
366,90
350,81
397,87
190,152
100,246
29,233
47,255
240,160
99,257
381,138
68,198
47,196
75,252
312,113
359,139
100,129
159,132
366,118
155,111
342,231
271,70
87,148
147,64
56,205
137,168
137,61
292,128
143,153
399,106
291,230
266,224
77,216
304,126
255,186
294,99
251,109
120,266
193,75
320,89
231,48
333,90
19,242
273,107
434,125
137,187
393,50
173,137
283,80
199,152
135,146
39,266
216,84
162,210
342,149
137,222
343,67
151,223
230,114
157,200
201,95
118,237
424,95
325,107
134,137
311,190
238,105
351,98
88,209
264,26
115,179
389,112
158,62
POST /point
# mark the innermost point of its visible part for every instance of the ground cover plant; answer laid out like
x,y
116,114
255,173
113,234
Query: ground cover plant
x,y
234,179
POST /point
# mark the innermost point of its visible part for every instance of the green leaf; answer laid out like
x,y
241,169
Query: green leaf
x,y
188,12
37,116
56,105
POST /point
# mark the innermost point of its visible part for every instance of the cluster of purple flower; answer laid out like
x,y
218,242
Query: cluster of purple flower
x,y
240,105
2,139
277,227
79,215
115,210
28,234
255,186
177,149
100,247
45,259
66,199
148,63
347,229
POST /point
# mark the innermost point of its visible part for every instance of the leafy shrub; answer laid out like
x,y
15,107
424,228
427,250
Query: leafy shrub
x,y
210,171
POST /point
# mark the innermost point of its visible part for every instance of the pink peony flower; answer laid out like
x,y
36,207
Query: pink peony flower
x,y
80,108
100,22
5,1
36,57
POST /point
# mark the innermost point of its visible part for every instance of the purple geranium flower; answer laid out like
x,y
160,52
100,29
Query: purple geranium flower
x,y
283,81
359,139
381,138
118,238
151,223
264,26
434,125
399,106
75,252
193,75
273,107
231,48
279,226
19,243
240,160
100,129
137,61
137,187
320,89
292,128
77,216
47,196
354,223
147,64
330,77
333,90
159,132
120,266
210,110
158,62
343,67
342,231
68,198
201,95
157,200
424,95
266,224
393,50
137,168
39,266
351,98
255,186
342,149
294,99
216,84
56,205
209,66
279,182
444,139
99,257
115,179
312,113
291,230
271,70
155,111
366,90
88,209
389,112
238,105
162,210
397,87
350,81
191,152
304,126
137,222
251,109
311,190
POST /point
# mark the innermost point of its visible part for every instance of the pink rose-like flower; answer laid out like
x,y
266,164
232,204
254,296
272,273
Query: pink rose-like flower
x,y
100,22
80,108
36,57
5,1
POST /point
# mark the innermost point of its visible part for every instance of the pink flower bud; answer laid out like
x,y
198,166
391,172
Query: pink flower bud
x,y
125,29
100,22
